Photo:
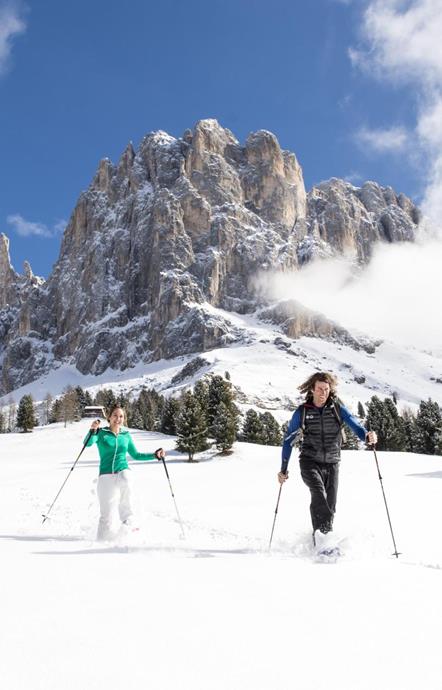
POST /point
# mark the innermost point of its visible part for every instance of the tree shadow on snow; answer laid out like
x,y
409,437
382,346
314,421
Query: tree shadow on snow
x,y
40,537
427,475
186,551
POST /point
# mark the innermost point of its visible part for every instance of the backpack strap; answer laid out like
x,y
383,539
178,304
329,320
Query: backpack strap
x,y
336,408
296,437
302,417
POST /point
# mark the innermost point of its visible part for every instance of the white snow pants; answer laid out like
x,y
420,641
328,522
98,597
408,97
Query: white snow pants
x,y
113,490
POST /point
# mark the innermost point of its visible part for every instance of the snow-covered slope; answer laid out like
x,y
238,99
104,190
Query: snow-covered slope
x,y
215,610
266,367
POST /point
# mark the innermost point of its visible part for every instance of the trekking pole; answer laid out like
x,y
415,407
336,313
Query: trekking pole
x,y
45,516
173,495
274,519
396,552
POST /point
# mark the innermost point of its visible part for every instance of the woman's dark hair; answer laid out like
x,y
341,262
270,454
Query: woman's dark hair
x,y
111,410
323,376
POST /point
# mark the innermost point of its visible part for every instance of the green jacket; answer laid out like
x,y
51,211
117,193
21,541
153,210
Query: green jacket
x,y
114,449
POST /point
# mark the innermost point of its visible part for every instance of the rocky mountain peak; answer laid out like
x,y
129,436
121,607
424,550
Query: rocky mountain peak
x,y
178,227
8,277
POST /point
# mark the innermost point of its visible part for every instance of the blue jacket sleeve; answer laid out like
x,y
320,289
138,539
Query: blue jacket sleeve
x,y
294,426
353,423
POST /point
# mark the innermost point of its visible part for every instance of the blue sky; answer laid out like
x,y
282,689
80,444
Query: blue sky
x,y
78,80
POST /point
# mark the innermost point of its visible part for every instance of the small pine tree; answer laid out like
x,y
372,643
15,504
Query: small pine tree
x,y
2,422
384,418
428,427
271,434
134,416
409,421
220,390
106,398
224,428
361,410
26,414
84,398
393,427
170,413
201,393
191,427
438,443
55,411
253,431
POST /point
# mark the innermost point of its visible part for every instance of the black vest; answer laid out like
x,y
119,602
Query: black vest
x,y
322,434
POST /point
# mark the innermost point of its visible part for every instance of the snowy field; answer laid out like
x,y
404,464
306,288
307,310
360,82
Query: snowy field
x,y
215,610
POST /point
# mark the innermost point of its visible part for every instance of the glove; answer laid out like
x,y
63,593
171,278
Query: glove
x,y
282,477
158,453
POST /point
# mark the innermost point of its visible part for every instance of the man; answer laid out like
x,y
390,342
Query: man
x,y
316,426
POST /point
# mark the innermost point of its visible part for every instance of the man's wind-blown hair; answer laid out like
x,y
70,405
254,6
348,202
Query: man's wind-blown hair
x,y
323,376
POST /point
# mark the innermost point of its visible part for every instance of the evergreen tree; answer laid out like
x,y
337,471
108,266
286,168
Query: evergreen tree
x,y
374,419
146,407
170,413
106,398
438,443
253,431
384,418
26,414
151,405
394,430
134,416
224,428
55,412
271,431
220,390
351,440
84,398
191,427
2,422
361,411
409,422
201,393
428,427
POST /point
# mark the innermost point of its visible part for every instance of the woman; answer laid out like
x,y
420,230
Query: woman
x,y
114,483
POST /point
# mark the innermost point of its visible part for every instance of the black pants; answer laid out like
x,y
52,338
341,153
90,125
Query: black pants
x,y
322,480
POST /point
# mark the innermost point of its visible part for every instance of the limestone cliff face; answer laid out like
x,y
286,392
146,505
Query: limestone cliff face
x,y
173,226
346,219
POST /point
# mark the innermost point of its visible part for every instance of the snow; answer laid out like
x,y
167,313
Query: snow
x,y
215,610
265,375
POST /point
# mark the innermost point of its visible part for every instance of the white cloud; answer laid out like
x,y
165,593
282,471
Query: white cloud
x,y
382,140
402,43
354,177
26,228
11,26
392,298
